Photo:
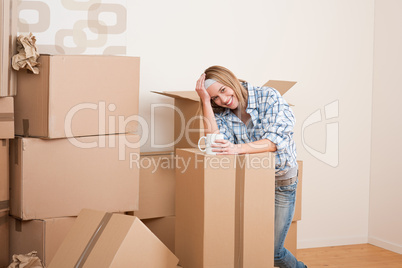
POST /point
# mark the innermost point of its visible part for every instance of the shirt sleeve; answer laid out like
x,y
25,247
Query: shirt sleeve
x,y
278,120
224,128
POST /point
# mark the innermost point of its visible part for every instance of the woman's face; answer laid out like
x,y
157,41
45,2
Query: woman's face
x,y
223,96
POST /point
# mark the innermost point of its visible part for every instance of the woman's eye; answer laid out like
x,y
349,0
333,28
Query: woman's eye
x,y
223,89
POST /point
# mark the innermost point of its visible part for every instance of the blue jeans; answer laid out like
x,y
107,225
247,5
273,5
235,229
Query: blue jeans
x,y
285,198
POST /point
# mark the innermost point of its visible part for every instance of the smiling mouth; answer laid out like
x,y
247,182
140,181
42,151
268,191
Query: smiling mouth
x,y
230,101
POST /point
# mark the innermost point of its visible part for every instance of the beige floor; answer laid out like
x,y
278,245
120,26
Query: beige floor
x,y
353,256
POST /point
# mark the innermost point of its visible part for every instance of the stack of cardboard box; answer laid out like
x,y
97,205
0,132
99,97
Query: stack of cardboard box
x,y
72,147
8,25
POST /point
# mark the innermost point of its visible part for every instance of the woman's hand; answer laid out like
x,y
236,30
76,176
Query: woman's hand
x,y
225,147
201,91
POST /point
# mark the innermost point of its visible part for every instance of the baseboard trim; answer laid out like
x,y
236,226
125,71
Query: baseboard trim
x,y
385,244
329,242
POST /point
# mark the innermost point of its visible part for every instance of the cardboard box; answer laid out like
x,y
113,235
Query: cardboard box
x,y
44,236
58,177
291,239
164,229
4,239
157,185
8,47
188,128
78,96
4,176
7,118
298,206
99,239
224,209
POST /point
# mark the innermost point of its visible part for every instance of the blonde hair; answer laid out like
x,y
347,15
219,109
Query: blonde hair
x,y
228,79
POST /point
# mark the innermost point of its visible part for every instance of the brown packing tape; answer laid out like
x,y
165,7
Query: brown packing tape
x,y
93,240
18,225
239,212
25,126
6,117
4,205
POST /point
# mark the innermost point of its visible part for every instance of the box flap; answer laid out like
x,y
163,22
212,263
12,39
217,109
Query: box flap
x,y
80,238
281,86
141,248
100,239
189,95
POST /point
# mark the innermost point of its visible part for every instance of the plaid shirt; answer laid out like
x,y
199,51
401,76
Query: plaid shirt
x,y
272,119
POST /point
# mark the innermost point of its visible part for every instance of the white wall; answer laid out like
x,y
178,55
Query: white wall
x,y
326,46
386,181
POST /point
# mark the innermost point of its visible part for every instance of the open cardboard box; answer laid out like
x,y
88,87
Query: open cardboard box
x,y
187,128
78,95
44,236
100,239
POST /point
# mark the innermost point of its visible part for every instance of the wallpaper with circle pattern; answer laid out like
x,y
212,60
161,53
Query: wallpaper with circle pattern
x,y
75,27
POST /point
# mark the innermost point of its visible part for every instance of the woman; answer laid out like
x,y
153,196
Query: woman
x,y
253,120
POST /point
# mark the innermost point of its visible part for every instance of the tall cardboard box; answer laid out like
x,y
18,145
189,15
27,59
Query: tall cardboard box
x,y
298,205
99,239
188,124
157,185
224,209
78,95
7,118
59,177
44,236
8,39
4,239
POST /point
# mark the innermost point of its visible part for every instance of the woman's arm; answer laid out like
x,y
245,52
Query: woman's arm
x,y
210,125
260,146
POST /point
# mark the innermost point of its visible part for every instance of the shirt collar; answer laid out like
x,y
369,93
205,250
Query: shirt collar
x,y
251,99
